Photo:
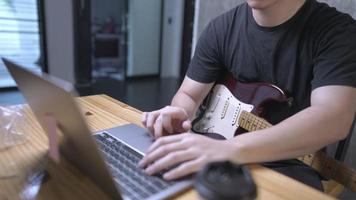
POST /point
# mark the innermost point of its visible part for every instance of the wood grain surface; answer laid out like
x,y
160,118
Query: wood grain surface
x,y
66,182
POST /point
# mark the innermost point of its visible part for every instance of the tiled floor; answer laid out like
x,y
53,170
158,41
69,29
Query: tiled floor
x,y
144,93
147,94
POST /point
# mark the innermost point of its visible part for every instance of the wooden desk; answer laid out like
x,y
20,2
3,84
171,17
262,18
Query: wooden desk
x,y
103,112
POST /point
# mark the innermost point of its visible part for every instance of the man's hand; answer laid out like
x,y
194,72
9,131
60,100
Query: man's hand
x,y
168,120
184,154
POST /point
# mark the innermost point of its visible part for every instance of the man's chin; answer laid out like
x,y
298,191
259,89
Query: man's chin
x,y
259,4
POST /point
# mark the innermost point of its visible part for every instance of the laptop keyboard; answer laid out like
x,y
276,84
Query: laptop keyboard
x,y
123,164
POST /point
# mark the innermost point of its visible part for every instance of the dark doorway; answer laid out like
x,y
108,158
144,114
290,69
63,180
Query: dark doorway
x,y
189,12
82,42
109,38
100,39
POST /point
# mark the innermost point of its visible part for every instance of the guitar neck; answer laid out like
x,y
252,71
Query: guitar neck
x,y
251,122
325,165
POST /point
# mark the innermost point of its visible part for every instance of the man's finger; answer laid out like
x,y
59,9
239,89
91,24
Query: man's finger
x,y
167,123
187,125
144,118
151,119
165,140
178,113
184,169
169,161
158,127
161,152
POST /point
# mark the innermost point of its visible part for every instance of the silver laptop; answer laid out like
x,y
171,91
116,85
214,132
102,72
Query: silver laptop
x,y
109,158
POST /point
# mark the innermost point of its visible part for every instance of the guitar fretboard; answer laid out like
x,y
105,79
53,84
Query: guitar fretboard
x,y
251,122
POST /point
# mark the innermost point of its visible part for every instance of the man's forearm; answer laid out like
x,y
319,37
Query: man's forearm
x,y
184,101
301,134
190,95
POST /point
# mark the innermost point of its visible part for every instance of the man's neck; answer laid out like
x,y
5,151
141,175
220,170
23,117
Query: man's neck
x,y
277,13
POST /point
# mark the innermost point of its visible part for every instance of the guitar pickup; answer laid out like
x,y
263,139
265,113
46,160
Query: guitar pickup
x,y
226,106
236,115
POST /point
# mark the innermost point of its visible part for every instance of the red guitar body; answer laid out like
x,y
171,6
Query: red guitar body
x,y
269,102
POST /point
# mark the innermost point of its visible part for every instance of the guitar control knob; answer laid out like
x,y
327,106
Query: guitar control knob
x,y
198,126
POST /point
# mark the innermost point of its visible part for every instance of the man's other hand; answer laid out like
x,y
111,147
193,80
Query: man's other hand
x,y
184,154
166,121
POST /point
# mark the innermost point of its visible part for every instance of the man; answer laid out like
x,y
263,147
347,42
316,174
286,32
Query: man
x,y
304,47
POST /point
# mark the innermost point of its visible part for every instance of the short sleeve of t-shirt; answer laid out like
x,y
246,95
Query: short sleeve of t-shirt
x,y
335,62
206,65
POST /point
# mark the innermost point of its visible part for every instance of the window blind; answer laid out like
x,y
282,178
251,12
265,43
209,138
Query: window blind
x,y
19,36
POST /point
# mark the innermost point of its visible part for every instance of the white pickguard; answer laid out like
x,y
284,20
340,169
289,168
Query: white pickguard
x,y
222,113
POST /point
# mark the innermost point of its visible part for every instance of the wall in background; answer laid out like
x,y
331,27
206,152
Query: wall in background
x,y
346,6
144,37
60,38
172,30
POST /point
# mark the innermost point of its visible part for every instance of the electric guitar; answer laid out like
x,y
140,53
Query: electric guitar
x,y
232,108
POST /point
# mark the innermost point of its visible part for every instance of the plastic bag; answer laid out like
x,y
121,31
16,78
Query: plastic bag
x,y
10,117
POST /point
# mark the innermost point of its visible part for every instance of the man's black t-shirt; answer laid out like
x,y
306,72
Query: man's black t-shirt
x,y
314,48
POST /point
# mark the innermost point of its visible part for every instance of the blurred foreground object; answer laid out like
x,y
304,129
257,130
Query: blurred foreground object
x,y
10,135
224,180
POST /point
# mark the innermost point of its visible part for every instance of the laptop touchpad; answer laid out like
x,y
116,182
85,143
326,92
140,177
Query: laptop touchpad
x,y
134,136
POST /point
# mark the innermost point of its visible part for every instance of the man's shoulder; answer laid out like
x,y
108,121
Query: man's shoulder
x,y
329,18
